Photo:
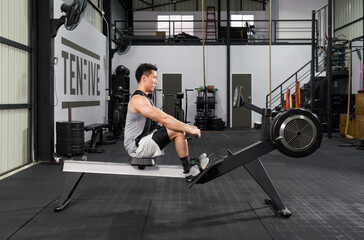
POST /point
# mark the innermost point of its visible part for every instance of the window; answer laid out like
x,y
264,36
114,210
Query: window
x,y
239,20
174,24
236,20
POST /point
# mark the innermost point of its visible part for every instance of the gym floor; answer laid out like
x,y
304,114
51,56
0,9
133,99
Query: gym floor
x,y
324,192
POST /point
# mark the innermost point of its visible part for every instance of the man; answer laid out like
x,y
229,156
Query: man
x,y
141,142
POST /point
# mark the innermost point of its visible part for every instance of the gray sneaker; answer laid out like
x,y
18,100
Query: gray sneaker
x,y
202,161
192,174
197,166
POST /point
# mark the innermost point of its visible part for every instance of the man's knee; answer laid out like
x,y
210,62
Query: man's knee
x,y
175,134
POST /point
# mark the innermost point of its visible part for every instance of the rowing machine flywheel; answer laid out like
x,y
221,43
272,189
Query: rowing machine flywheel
x,y
296,132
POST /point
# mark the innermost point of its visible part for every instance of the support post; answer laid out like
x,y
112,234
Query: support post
x,y
257,171
228,63
329,71
313,48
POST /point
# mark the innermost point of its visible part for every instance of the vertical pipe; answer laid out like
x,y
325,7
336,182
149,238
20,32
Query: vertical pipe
x,y
107,29
329,71
313,47
228,62
270,54
275,31
218,18
33,74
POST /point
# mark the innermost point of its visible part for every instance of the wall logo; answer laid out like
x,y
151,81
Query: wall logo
x,y
81,73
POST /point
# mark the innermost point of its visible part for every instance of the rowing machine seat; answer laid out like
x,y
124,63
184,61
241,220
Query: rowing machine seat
x,y
142,162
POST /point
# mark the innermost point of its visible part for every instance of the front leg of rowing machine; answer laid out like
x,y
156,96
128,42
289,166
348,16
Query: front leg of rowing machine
x,y
71,180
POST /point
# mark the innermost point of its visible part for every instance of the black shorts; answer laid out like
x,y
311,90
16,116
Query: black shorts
x,y
161,137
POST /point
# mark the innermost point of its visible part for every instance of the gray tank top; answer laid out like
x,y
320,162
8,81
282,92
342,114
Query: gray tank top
x,y
136,127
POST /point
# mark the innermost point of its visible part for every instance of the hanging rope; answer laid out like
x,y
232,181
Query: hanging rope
x,y
270,54
203,45
349,93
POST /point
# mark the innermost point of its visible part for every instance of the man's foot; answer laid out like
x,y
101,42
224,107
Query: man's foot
x,y
197,166
202,161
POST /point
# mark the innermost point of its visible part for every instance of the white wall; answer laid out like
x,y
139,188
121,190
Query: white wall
x,y
87,37
244,59
298,9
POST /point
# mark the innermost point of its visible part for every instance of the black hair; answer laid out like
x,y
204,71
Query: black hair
x,y
144,69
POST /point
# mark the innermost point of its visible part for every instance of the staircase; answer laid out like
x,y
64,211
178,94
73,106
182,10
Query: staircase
x,y
302,76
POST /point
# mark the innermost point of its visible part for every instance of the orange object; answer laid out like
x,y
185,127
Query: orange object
x,y
298,95
287,99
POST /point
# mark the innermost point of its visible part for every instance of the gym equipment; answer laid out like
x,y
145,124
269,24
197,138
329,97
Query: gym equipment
x,y
187,90
294,132
70,138
97,137
178,111
119,102
122,70
72,17
205,118
74,171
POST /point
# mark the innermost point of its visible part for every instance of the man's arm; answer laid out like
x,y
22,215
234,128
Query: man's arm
x,y
142,105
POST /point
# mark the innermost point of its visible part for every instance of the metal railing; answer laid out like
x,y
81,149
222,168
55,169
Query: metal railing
x,y
302,75
296,31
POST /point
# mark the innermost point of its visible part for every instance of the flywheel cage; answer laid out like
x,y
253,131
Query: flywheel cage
x,y
298,132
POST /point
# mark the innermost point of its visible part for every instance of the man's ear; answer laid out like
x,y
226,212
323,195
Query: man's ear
x,y
144,78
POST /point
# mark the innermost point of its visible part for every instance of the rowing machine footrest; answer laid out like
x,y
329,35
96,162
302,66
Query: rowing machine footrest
x,y
142,162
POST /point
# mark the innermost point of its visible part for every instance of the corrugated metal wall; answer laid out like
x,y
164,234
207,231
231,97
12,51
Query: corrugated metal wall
x,y
236,5
14,84
346,11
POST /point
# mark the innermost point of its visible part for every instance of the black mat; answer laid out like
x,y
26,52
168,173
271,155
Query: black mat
x,y
324,192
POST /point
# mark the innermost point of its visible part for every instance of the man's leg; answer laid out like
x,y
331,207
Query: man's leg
x,y
180,142
191,170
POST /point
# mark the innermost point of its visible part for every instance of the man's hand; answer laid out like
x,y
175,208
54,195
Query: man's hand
x,y
195,131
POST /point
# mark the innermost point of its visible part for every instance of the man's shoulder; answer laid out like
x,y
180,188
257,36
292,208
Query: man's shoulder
x,y
136,102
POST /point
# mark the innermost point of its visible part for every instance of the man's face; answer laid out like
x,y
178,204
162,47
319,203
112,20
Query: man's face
x,y
151,81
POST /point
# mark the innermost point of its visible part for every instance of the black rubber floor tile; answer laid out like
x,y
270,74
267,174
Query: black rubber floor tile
x,y
112,219
16,213
37,182
203,220
313,219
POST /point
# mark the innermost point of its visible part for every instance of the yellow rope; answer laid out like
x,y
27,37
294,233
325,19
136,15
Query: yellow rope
x,y
203,44
349,93
270,54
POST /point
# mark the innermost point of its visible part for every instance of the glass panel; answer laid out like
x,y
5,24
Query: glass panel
x,y
236,20
164,25
187,27
247,18
176,26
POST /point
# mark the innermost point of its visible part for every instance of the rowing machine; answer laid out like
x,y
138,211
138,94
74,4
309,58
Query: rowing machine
x,y
294,132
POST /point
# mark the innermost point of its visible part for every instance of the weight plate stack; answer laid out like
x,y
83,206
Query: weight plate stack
x,y
70,138
200,103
